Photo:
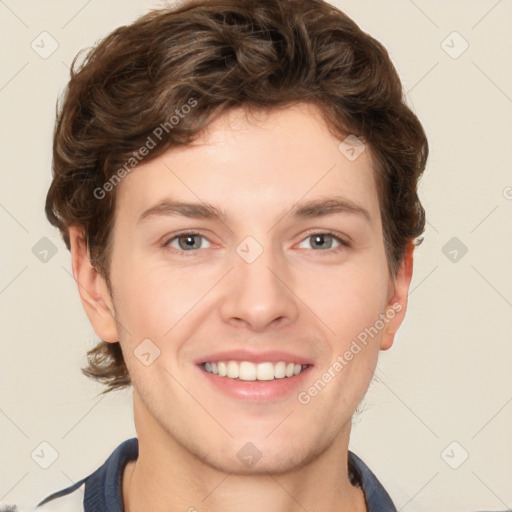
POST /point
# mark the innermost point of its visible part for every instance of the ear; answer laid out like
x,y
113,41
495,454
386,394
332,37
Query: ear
x,y
397,303
92,288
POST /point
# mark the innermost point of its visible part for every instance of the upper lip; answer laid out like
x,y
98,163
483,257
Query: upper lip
x,y
254,357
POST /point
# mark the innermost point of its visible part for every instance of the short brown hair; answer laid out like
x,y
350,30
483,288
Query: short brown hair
x,y
214,55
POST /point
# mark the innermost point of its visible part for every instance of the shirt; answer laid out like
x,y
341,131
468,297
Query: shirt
x,y
102,490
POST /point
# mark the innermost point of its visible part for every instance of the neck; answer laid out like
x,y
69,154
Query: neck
x,y
167,477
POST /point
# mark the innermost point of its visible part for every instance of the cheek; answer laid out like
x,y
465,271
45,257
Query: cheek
x,y
162,304
348,299
350,303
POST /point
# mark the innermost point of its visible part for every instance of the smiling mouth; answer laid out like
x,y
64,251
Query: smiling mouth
x,y
248,371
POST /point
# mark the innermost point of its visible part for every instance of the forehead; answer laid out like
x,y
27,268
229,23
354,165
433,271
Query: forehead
x,y
253,162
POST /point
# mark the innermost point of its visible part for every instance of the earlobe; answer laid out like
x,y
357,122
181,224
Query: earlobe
x,y
397,304
92,288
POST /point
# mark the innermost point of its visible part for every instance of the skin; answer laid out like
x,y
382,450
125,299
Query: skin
x,y
298,296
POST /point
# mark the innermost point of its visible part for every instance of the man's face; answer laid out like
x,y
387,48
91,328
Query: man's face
x,y
262,285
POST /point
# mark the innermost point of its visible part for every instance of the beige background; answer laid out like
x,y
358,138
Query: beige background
x,y
448,376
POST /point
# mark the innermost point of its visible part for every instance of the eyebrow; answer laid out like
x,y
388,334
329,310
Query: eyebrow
x,y
310,209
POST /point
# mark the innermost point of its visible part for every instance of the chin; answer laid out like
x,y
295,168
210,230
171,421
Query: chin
x,y
251,460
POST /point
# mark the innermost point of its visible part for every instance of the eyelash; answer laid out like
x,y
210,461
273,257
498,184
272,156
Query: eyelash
x,y
343,243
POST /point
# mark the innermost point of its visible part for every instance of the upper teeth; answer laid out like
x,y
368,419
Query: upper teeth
x,y
245,370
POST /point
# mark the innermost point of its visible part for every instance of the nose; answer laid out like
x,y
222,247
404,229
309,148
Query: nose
x,y
258,295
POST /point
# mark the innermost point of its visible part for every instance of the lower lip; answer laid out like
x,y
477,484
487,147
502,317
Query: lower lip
x,y
257,390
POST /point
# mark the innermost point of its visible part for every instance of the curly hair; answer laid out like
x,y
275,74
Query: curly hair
x,y
206,57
